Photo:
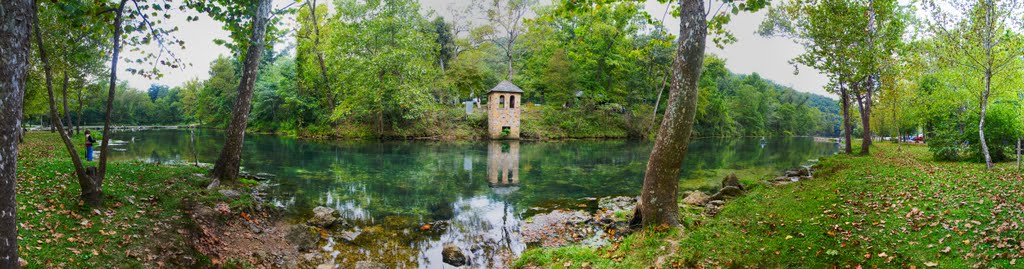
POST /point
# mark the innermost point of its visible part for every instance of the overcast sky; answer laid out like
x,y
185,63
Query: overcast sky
x,y
768,57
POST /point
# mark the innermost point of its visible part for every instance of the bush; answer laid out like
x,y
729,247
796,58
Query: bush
x,y
955,135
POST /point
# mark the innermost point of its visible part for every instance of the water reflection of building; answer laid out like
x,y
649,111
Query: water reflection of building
x,y
503,163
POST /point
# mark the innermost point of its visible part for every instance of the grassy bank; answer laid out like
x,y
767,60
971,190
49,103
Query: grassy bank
x,y
893,209
142,223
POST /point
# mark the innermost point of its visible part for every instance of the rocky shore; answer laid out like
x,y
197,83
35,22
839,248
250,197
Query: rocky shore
x,y
260,238
610,223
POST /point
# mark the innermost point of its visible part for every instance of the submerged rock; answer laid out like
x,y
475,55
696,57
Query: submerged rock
x,y
350,236
614,204
257,176
696,198
263,176
453,255
437,226
556,228
308,260
304,238
370,265
324,217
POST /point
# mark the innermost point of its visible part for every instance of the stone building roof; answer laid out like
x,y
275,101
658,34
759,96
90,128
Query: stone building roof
x,y
506,86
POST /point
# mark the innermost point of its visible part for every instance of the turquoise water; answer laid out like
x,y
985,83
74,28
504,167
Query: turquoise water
x,y
484,188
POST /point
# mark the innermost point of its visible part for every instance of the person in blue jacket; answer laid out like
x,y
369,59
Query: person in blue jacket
x,y
88,145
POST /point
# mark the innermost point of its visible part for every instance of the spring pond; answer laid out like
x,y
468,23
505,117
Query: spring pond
x,y
485,189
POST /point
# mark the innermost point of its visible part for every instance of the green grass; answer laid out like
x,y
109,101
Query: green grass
x,y
142,218
893,209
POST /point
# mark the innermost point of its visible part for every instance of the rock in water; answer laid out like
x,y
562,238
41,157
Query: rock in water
x,y
324,217
453,255
350,236
370,265
615,204
304,238
232,194
697,198
263,176
732,180
556,228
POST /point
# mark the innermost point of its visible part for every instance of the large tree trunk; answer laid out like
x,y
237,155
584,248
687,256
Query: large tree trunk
x,y
847,126
15,22
84,179
230,159
981,121
97,189
864,102
658,199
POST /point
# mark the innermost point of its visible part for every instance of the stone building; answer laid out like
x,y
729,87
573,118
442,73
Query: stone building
x,y
503,110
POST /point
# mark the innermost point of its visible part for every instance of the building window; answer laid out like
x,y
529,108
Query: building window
x,y
501,101
512,101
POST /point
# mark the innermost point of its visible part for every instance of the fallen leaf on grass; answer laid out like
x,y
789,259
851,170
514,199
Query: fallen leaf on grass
x,y
931,264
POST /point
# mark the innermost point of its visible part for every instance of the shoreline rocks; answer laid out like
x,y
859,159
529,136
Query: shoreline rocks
x,y
452,255
731,187
696,198
790,176
370,265
324,217
618,203
304,238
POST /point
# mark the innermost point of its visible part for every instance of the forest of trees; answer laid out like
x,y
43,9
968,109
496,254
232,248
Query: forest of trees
x,y
412,83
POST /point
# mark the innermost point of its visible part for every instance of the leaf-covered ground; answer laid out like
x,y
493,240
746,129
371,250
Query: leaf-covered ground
x,y
895,209
141,224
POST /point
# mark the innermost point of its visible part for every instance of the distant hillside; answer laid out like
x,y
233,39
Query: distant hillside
x,y
749,105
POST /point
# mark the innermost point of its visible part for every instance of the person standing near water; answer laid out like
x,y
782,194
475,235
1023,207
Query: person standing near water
x,y
88,145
